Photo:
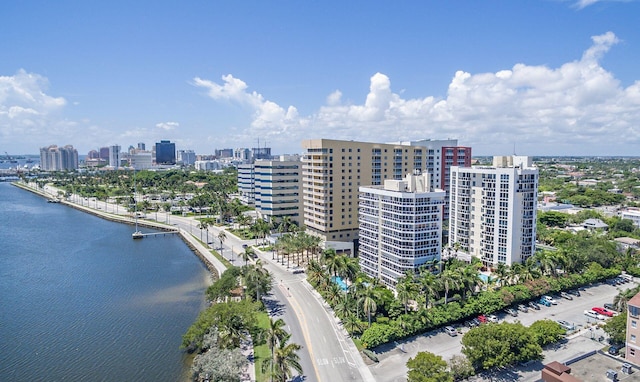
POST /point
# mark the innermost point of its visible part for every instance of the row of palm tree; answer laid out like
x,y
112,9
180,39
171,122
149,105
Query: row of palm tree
x,y
299,245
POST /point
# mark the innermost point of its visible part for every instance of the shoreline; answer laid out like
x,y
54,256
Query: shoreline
x,y
215,266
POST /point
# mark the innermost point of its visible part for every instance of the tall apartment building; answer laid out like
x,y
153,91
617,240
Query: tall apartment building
x,y
400,227
633,330
493,210
165,152
141,160
224,153
278,188
246,183
104,153
442,154
114,156
333,170
54,158
186,157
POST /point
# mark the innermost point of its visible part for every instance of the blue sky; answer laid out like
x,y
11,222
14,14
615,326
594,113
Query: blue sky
x,y
549,77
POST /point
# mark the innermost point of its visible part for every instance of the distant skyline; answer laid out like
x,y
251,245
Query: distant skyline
x,y
543,77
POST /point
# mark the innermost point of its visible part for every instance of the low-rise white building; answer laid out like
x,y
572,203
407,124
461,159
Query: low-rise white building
x,y
633,215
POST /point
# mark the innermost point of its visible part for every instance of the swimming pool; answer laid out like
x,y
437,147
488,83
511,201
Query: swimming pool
x,y
338,280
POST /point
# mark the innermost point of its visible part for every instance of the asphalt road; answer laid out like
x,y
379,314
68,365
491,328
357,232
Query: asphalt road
x,y
327,354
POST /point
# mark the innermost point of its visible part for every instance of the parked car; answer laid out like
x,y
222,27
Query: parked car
x,y
566,325
482,318
594,315
534,305
492,318
450,330
566,295
523,308
610,307
550,299
511,311
627,277
611,282
476,321
603,311
544,302
622,280
470,324
614,349
575,292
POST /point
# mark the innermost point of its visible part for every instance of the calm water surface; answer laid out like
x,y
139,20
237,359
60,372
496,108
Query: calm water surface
x,y
81,301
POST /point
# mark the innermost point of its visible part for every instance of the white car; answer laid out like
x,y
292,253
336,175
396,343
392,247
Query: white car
x,y
592,314
550,299
450,330
492,318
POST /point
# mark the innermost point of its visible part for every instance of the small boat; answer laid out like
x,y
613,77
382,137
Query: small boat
x,y
137,235
54,200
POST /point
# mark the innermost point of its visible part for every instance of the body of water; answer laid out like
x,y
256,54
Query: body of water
x,y
81,301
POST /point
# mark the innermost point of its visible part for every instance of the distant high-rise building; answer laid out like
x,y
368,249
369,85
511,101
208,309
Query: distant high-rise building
x,y
224,153
54,158
186,157
141,160
93,154
114,156
400,227
141,146
493,210
165,152
261,153
104,153
242,154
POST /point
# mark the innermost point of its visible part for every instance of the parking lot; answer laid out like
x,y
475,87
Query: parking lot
x,y
393,357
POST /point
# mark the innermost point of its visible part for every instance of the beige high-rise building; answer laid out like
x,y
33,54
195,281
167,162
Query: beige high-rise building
x,y
333,171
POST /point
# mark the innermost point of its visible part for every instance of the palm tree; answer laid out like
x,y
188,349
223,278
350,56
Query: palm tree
x,y
247,254
368,300
428,285
502,272
275,334
315,273
405,290
222,236
352,323
469,279
332,261
285,358
449,280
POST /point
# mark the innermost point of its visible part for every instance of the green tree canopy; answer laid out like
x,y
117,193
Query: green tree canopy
x,y
500,345
616,328
427,367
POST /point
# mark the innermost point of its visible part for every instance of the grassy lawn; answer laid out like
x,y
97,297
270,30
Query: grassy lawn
x,y
261,352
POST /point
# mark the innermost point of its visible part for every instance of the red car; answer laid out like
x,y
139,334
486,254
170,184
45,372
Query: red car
x,y
482,318
602,311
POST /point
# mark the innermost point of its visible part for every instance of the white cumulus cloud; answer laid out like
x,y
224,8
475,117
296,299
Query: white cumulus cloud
x,y
577,108
167,125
